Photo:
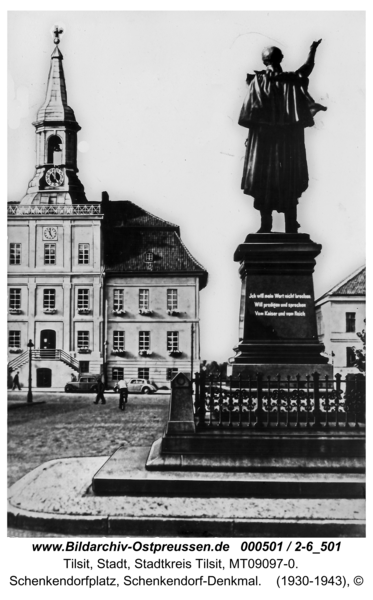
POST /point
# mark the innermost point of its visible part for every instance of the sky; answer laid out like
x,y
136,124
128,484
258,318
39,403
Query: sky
x,y
158,95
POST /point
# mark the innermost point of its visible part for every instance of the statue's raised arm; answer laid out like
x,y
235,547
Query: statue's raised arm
x,y
306,69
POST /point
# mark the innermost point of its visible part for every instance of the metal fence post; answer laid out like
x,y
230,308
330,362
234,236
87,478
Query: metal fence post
x,y
316,398
202,397
338,395
259,412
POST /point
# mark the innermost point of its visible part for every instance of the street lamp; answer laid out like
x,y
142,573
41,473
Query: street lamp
x,y
30,345
106,343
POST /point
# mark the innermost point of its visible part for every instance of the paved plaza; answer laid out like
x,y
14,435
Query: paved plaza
x,y
70,425
77,435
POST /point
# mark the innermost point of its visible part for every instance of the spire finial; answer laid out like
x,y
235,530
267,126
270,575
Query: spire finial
x,y
57,33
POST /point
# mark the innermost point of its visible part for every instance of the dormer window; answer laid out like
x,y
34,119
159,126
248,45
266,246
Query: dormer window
x,y
149,261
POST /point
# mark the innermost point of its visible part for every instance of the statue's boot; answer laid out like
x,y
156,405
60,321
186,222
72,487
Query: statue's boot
x,y
266,221
291,223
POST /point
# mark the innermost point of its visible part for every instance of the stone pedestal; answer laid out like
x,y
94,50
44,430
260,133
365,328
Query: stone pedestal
x,y
277,320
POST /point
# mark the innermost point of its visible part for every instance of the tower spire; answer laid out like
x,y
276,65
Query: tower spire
x,y
56,178
55,107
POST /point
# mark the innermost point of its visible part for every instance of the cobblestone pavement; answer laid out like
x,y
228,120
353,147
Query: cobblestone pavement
x,y
67,425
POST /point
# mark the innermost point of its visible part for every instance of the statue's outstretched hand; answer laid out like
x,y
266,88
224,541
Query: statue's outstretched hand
x,y
314,45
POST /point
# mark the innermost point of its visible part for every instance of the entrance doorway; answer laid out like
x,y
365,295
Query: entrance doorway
x,y
47,339
43,378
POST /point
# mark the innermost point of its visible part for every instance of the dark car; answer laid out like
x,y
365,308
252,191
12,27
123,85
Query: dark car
x,y
87,382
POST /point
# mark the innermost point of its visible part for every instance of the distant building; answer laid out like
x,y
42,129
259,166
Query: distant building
x,y
340,315
152,286
97,287
54,273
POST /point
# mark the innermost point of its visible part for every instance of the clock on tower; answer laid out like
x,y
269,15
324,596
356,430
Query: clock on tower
x,y
49,233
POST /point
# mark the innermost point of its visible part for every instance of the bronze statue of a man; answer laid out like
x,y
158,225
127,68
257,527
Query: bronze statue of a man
x,y
276,111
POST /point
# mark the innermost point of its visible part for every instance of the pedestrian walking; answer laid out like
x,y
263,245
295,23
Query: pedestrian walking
x,y
16,382
122,386
100,392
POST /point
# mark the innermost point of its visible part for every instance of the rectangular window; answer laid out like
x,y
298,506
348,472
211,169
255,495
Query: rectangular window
x,y
144,340
15,298
83,298
118,340
118,299
144,299
49,298
350,322
350,357
172,300
83,254
117,373
49,254
15,254
14,339
170,373
172,341
143,373
84,366
83,339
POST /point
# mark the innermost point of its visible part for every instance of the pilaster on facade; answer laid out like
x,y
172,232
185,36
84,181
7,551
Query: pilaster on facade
x,y
67,248
32,244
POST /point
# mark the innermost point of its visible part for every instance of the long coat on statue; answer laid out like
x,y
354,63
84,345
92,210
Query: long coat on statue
x,y
276,110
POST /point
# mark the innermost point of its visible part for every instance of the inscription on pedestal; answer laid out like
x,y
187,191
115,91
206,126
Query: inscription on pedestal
x,y
280,305
277,308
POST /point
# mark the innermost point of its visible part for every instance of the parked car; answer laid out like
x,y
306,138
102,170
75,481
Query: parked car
x,y
87,382
139,386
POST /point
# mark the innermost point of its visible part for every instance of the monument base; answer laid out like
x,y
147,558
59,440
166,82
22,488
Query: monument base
x,y
57,497
124,474
284,370
277,320
223,442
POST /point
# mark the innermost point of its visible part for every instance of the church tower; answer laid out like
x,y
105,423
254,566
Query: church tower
x,y
56,178
55,273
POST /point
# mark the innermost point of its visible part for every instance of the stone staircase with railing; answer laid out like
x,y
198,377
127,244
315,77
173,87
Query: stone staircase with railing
x,y
36,355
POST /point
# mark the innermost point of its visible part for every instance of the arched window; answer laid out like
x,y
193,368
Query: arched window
x,y
54,150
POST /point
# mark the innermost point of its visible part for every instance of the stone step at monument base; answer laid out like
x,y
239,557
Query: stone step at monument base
x,y
283,353
246,370
276,450
57,497
125,474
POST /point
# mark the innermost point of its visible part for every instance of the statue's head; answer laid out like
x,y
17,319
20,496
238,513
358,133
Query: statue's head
x,y
272,56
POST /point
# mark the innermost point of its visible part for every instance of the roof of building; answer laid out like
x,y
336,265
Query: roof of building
x,y
135,241
55,107
123,213
353,285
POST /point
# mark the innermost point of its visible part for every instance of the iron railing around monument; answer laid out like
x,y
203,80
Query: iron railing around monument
x,y
274,403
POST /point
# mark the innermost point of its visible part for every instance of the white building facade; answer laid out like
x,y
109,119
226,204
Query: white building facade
x,y
65,299
152,286
340,315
